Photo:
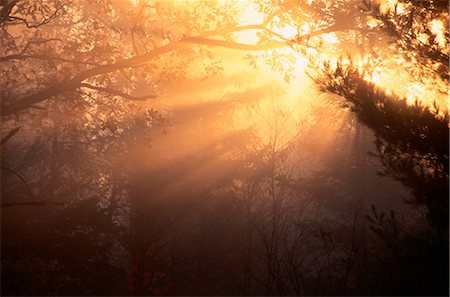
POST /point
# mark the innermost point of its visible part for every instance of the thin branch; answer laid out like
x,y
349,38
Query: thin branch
x,y
9,135
30,203
116,92
44,21
133,29
44,57
21,178
271,44
38,41
27,202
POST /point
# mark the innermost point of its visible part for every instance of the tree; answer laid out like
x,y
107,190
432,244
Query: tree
x,y
79,80
417,29
96,64
411,138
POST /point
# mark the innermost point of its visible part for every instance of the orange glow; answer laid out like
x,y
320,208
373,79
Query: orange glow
x,y
438,29
291,107
214,147
249,16
387,5
288,31
330,38
414,92
295,64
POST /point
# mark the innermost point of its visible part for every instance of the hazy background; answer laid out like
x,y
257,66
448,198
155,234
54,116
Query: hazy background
x,y
240,177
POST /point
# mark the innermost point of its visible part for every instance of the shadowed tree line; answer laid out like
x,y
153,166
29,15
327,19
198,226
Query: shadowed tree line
x,y
412,143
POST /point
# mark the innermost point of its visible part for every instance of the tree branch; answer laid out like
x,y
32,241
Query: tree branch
x,y
229,30
116,92
9,135
76,81
30,203
44,21
44,57
27,202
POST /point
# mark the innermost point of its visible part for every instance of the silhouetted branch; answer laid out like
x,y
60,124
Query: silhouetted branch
x,y
30,203
76,81
20,177
9,135
27,202
44,57
116,92
44,21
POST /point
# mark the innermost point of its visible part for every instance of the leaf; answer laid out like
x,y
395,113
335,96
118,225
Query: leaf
x,y
287,77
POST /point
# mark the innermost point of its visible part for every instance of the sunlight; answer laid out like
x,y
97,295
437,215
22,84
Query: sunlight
x,y
306,28
294,65
249,16
385,76
375,77
425,92
437,28
287,30
387,5
249,13
414,92
330,38
223,147
360,65
288,105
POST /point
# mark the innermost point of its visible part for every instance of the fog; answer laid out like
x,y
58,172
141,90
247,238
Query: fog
x,y
169,161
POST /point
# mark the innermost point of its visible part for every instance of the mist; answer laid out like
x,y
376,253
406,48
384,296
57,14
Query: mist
x,y
169,148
